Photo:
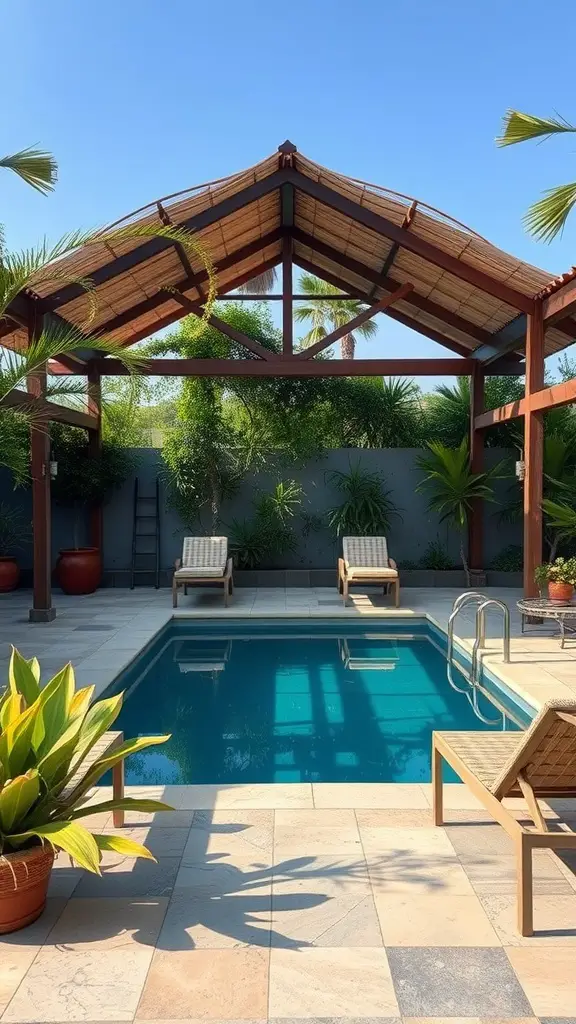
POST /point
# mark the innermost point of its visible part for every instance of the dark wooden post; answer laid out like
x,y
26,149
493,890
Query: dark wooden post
x,y
476,518
287,304
42,610
533,451
95,448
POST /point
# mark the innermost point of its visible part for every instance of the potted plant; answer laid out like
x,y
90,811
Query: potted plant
x,y
454,489
13,528
83,479
46,736
541,578
561,575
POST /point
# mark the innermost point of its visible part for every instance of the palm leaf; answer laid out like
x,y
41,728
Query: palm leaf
x,y
519,127
74,839
35,167
546,218
127,847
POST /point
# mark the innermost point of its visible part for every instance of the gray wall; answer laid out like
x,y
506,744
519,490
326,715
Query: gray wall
x,y
408,539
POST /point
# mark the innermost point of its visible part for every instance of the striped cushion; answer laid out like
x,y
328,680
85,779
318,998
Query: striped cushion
x,y
365,552
192,573
205,553
364,572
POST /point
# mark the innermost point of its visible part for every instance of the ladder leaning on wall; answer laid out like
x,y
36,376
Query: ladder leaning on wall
x,y
146,541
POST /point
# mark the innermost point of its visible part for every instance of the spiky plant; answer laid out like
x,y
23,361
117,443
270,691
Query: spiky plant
x,y
36,167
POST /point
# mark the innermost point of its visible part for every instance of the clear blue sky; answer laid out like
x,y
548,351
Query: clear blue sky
x,y
140,99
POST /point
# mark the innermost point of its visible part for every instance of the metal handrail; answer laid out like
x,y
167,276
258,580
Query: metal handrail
x,y
480,641
463,599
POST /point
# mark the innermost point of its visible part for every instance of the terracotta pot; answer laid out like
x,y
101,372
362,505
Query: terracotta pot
x,y
24,878
561,592
9,573
79,570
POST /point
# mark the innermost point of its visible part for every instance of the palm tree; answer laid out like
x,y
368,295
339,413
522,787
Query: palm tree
x,y
260,285
35,167
326,315
547,217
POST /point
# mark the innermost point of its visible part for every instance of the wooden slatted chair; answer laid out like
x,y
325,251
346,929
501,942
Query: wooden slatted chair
x,y
535,764
366,560
204,560
105,745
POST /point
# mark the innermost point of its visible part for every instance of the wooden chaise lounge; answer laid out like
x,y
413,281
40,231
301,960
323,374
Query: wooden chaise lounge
x,y
204,560
366,561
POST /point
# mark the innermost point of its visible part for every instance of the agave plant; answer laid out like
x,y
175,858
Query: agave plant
x,y
46,735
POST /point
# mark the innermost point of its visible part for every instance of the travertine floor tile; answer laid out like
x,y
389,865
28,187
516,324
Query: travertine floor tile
x,y
231,834
216,922
95,985
217,984
436,919
315,919
548,978
331,983
108,923
378,794
554,920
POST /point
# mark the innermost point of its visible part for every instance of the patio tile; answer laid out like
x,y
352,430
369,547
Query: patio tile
x,y
413,841
305,918
214,878
14,963
394,818
316,839
161,842
413,871
131,877
497,875
63,879
331,983
220,984
200,922
548,978
456,982
108,923
96,985
479,839
160,819
554,920
233,833
330,876
375,794
434,919
457,797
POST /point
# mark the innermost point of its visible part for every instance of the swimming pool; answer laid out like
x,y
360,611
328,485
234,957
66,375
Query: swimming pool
x,y
297,701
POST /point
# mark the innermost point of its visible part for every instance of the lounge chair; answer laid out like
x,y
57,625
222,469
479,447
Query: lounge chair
x,y
366,561
204,560
540,762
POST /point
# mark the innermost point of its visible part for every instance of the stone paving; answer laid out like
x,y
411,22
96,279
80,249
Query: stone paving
x,y
292,902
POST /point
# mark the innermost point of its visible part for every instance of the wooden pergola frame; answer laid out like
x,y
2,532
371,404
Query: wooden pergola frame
x,y
503,313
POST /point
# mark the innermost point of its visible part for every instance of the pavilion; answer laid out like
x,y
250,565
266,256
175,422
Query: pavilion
x,y
494,313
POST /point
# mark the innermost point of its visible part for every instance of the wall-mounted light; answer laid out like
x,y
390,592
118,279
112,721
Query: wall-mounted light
x,y
53,469
520,469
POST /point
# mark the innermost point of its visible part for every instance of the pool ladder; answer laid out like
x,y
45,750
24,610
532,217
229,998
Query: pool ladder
x,y
473,677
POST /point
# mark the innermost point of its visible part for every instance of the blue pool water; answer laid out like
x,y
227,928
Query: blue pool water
x,y
294,701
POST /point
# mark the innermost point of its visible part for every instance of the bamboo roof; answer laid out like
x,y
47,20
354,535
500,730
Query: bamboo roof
x,y
132,302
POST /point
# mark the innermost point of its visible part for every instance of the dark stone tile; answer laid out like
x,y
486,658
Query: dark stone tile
x,y
456,982
95,628
558,1020
333,1020
144,878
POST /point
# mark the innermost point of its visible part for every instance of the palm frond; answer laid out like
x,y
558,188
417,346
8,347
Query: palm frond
x,y
261,284
519,127
546,218
35,167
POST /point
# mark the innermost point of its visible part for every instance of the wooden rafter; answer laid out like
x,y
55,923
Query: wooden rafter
x,y
410,241
389,284
560,303
366,314
395,247
241,339
539,401
182,254
49,410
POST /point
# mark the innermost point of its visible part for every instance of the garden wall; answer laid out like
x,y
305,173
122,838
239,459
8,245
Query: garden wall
x,y
409,537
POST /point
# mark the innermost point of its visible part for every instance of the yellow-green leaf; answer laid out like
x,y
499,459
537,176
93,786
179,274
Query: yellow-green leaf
x,y
98,720
15,742
55,701
122,845
100,767
11,709
127,803
54,766
74,839
81,701
22,677
16,799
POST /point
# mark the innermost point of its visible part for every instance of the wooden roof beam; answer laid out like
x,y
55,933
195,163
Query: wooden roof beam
x,y
389,284
199,221
413,243
553,397
51,411
293,367
560,304
182,254
395,247
507,367
366,314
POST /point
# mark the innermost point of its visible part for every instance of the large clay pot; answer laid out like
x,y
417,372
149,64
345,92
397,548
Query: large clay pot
x,y
9,574
24,878
79,570
560,592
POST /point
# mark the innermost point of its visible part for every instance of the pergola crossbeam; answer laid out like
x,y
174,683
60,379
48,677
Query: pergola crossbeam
x,y
357,321
279,367
29,401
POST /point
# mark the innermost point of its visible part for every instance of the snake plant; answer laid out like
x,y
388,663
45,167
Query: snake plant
x,y
46,735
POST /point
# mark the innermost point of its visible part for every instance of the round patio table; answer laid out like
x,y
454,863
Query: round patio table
x,y
542,608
